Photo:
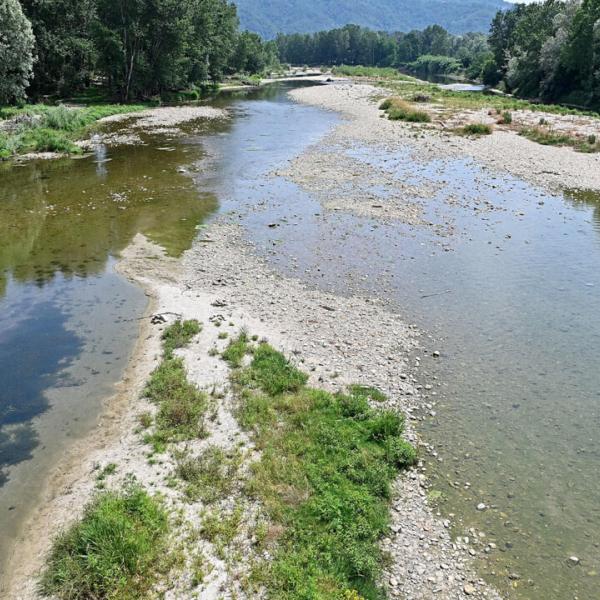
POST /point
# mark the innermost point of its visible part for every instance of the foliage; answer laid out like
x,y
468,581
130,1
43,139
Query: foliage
x,y
112,551
549,50
179,335
16,52
547,137
327,462
476,129
399,110
431,51
64,48
42,128
181,405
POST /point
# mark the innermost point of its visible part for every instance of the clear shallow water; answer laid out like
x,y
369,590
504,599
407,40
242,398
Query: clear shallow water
x,y
511,292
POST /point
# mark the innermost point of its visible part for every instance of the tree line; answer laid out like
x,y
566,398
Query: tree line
x,y
135,48
432,50
549,51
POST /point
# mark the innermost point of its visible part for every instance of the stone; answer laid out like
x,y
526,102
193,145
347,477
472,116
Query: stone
x,y
481,506
574,561
469,589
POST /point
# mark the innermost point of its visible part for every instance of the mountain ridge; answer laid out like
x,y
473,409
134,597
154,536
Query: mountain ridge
x,y
269,17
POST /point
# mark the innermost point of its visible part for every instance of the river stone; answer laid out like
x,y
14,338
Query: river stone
x,y
469,589
573,560
481,506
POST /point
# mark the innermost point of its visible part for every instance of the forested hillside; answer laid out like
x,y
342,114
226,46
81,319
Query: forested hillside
x,y
270,17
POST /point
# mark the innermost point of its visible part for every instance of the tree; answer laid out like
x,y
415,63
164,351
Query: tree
x,y
16,52
64,46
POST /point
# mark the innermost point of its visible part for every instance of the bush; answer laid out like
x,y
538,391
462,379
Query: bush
x,y
399,110
476,129
506,118
112,552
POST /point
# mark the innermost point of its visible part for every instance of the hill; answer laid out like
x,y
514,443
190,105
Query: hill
x,y
269,17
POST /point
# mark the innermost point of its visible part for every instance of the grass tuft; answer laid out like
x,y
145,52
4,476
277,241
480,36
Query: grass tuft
x,y
547,137
398,109
236,350
113,552
179,335
476,129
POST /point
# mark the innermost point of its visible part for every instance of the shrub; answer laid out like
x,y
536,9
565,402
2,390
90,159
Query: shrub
x,y
476,129
506,118
179,335
112,552
399,110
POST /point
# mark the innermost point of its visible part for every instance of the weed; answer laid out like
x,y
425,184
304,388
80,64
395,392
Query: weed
x,y
547,137
145,419
236,350
506,118
108,470
220,528
179,335
368,392
476,129
209,476
223,335
399,110
327,463
113,551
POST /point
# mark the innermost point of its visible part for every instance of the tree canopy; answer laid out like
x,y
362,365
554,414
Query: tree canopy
x,y
16,51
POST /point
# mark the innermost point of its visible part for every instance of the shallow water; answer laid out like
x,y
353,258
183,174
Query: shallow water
x,y
511,293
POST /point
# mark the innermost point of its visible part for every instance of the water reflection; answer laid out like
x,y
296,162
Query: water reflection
x,y
586,199
68,216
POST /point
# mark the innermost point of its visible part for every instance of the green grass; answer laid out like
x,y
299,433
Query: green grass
x,y
547,137
113,551
179,335
236,350
324,476
454,100
209,476
399,110
475,129
376,72
181,405
368,392
43,128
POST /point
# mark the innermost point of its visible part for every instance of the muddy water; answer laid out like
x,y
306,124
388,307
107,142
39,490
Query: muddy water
x,y
511,293
68,321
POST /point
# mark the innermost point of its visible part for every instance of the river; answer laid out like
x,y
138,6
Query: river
x,y
512,301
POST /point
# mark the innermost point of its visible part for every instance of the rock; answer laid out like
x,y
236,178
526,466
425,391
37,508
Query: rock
x,y
481,506
573,561
436,354
469,589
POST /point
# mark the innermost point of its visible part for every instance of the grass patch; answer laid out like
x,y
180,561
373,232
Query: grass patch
x,y
327,463
209,476
221,528
400,110
114,551
368,392
372,72
181,405
179,335
547,137
236,350
43,128
475,129
455,100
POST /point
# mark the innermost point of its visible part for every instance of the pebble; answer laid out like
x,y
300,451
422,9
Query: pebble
x,y
481,506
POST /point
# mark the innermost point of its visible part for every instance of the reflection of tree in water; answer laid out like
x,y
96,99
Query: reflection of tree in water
x,y
22,393
69,216
586,199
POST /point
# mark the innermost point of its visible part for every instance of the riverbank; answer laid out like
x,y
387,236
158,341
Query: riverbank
x,y
552,168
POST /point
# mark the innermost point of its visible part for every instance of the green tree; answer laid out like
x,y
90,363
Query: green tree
x,y
64,46
16,52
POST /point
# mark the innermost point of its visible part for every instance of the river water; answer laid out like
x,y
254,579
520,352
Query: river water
x,y
512,301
